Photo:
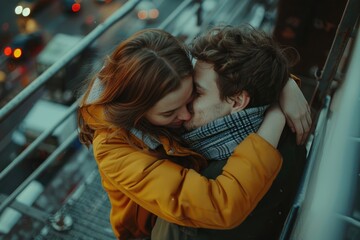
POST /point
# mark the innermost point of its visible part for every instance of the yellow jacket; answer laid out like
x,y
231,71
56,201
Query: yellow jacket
x,y
139,184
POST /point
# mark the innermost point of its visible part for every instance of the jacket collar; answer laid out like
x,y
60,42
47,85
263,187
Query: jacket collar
x,y
151,142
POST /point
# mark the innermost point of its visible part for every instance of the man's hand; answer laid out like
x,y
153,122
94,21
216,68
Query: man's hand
x,y
296,110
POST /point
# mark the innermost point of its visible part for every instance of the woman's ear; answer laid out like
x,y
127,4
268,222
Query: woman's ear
x,y
240,101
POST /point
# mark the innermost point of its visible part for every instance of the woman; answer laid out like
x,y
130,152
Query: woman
x,y
132,113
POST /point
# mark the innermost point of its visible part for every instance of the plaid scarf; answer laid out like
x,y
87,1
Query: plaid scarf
x,y
218,139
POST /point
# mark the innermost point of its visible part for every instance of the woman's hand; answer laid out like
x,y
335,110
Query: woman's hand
x,y
296,110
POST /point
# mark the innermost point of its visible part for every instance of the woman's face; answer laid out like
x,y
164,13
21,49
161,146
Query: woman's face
x,y
171,111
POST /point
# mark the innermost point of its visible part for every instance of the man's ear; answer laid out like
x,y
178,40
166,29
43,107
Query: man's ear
x,y
240,101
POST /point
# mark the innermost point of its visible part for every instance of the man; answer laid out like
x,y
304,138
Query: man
x,y
239,72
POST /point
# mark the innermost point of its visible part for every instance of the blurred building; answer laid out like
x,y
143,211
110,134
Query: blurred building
x,y
310,27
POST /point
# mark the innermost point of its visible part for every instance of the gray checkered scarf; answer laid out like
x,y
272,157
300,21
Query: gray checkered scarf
x,y
218,139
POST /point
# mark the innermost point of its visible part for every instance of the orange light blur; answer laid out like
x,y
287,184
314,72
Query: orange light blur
x,y
154,13
17,53
7,51
75,7
142,14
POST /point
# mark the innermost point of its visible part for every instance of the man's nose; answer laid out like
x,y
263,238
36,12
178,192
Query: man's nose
x,y
184,114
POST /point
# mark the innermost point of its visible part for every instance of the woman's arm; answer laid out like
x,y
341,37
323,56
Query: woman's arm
x,y
273,125
296,110
183,196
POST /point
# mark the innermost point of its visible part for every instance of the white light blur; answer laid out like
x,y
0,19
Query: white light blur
x,y
18,10
26,12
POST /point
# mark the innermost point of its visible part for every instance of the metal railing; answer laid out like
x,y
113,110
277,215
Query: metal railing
x,y
76,50
345,31
32,89
9,201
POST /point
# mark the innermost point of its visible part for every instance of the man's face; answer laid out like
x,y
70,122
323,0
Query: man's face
x,y
207,105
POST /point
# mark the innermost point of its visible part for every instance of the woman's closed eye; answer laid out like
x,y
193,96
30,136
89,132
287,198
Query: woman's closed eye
x,y
168,114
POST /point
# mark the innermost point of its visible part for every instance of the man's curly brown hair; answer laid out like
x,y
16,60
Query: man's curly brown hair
x,y
245,58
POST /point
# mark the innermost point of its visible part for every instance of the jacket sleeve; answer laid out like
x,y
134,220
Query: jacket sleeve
x,y
183,196
296,79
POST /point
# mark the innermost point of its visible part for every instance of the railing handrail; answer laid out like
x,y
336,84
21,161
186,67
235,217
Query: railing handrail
x,y
22,156
43,78
76,50
174,14
343,34
39,170
36,84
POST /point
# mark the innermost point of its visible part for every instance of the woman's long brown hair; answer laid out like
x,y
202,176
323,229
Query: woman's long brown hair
x,y
140,71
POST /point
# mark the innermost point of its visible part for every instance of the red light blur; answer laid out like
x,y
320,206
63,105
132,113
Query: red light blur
x,y
5,26
7,51
75,7
22,69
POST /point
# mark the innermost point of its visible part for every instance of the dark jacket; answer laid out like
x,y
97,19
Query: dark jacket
x,y
267,219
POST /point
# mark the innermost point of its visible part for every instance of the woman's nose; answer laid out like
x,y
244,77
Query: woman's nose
x,y
184,114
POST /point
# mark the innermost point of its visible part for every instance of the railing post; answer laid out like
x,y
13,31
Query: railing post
x,y
344,32
199,12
